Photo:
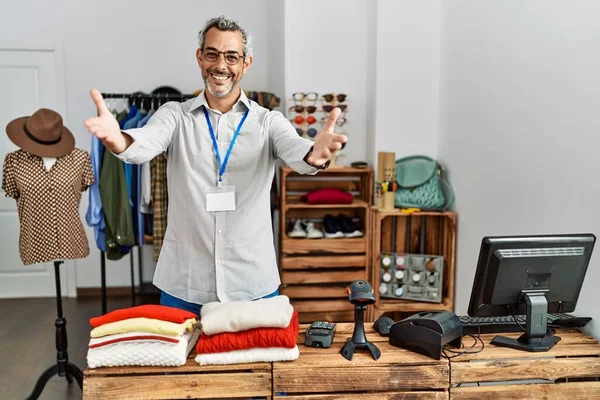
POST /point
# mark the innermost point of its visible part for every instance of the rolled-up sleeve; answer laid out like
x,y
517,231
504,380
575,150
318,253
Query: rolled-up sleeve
x,y
154,138
287,145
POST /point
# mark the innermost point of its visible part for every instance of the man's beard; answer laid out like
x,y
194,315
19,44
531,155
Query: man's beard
x,y
219,93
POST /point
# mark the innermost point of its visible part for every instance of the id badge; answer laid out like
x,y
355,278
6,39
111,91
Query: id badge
x,y
220,198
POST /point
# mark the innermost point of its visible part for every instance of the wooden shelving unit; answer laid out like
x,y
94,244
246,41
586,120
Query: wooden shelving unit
x,y
316,272
389,235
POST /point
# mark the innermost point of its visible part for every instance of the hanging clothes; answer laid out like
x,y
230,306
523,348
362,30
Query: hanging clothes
x,y
48,204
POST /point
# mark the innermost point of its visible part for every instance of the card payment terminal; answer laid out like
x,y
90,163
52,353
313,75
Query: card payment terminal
x,y
320,334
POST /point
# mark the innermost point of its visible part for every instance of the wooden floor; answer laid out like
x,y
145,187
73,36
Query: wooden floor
x,y
27,343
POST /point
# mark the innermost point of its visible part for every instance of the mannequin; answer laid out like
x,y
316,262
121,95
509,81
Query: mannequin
x,y
46,177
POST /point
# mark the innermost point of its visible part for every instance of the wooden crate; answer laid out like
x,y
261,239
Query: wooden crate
x,y
191,381
570,370
316,272
439,239
325,374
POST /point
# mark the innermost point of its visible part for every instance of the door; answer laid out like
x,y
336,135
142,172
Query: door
x,y
31,77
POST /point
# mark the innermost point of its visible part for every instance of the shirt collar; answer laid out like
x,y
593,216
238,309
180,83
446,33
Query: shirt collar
x,y
200,101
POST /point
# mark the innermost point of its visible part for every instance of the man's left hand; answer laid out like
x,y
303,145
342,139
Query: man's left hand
x,y
327,141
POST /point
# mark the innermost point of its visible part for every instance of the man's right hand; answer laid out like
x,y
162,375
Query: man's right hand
x,y
106,127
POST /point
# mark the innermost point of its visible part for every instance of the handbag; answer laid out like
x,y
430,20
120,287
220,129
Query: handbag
x,y
421,184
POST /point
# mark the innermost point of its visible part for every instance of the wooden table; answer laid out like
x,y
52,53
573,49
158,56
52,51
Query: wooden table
x,y
190,381
325,374
568,371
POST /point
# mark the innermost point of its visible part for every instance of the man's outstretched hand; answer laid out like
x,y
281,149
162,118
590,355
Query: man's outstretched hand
x,y
327,141
106,127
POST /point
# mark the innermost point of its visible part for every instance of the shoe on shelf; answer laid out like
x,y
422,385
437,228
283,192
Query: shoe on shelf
x,y
298,229
331,227
348,226
312,232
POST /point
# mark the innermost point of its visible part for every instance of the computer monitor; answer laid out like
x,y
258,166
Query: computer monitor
x,y
530,275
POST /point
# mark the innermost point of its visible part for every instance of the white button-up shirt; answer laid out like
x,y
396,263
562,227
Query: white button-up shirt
x,y
218,256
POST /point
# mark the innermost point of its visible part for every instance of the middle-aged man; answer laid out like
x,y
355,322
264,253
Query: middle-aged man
x,y
221,150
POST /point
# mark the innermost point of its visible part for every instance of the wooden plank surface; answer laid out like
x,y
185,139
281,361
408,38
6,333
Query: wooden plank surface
x,y
341,245
190,367
325,378
342,316
550,391
296,277
314,291
421,395
514,370
202,386
321,305
297,203
310,262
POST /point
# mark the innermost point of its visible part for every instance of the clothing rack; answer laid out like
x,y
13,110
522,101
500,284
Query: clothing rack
x,y
133,98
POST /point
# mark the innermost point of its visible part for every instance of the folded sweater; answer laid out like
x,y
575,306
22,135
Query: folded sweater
x,y
152,311
140,353
236,316
143,325
252,338
249,356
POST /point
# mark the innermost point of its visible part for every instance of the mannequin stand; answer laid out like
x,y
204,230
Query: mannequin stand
x,y
63,367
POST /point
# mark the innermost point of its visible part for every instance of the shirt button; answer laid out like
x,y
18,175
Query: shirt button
x,y
220,231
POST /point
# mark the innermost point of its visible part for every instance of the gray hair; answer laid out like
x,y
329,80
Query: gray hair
x,y
224,24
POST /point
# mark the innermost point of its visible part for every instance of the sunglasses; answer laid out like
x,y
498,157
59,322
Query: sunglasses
x,y
330,107
340,121
311,96
299,119
310,132
339,97
300,109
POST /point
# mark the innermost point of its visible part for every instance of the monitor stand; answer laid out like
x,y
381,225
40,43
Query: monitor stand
x,y
535,337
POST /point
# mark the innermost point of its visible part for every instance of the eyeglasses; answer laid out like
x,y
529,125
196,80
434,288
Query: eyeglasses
x,y
329,97
311,96
231,57
299,119
329,107
310,132
300,109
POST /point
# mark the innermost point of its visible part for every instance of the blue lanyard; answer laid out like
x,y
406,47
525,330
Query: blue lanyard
x,y
216,146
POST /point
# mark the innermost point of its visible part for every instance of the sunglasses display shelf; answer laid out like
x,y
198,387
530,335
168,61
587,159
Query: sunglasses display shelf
x,y
308,113
413,262
316,272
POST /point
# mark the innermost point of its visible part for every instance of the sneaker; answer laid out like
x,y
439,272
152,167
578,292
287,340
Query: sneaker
x,y
348,226
297,230
331,227
312,232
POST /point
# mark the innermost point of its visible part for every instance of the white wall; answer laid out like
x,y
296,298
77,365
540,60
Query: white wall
x,y
325,46
407,77
126,46
519,126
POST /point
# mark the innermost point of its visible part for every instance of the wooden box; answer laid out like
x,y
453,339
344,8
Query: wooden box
x,y
569,370
324,374
191,381
432,233
316,272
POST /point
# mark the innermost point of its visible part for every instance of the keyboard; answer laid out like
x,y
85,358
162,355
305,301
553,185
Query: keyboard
x,y
507,324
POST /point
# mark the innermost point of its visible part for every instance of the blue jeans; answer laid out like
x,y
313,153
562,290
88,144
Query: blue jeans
x,y
171,301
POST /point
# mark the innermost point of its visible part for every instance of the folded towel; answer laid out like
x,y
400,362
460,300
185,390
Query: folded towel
x,y
236,316
140,353
253,338
144,325
152,311
249,356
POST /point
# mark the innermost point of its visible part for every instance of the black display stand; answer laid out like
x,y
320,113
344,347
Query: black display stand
x,y
535,337
63,367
